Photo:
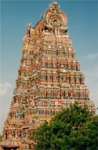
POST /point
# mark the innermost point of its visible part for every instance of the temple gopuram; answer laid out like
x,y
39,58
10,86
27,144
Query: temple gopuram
x,y
49,80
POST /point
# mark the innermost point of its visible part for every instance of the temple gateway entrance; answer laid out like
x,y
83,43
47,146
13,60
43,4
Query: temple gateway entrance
x,y
5,148
10,148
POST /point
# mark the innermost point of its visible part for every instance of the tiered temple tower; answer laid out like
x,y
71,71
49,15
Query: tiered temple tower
x,y
49,79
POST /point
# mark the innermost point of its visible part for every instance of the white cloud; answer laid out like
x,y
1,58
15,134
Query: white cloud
x,y
92,73
4,88
92,56
91,80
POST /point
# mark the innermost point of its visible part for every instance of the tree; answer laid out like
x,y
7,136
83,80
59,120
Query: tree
x,y
72,129
0,137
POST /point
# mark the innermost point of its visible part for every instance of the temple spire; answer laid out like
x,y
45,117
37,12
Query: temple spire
x,y
49,79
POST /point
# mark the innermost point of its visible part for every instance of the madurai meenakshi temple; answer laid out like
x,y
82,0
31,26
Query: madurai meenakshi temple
x,y
49,80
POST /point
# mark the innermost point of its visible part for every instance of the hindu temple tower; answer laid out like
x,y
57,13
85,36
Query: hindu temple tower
x,y
49,79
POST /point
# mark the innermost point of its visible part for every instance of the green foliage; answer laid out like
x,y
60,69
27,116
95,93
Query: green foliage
x,y
71,129
0,137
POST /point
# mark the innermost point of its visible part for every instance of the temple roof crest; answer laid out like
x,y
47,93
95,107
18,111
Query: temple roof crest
x,y
54,17
54,7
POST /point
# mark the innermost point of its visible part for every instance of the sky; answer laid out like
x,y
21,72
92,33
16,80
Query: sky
x,y
83,31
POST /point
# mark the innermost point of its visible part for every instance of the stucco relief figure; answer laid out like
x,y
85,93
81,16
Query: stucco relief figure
x,y
28,26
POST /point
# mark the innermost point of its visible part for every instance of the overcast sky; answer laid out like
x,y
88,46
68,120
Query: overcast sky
x,y
83,31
